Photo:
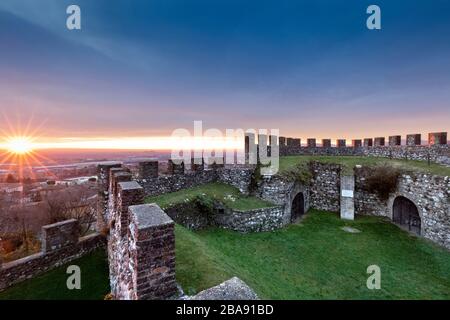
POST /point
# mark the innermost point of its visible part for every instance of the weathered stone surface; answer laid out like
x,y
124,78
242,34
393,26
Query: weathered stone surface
x,y
29,267
325,187
395,140
148,169
149,216
311,143
437,138
413,139
151,254
326,143
256,220
379,141
175,168
368,142
347,197
282,192
341,143
357,143
434,153
429,193
233,289
61,234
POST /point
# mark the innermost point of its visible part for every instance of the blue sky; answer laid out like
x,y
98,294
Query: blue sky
x,y
309,68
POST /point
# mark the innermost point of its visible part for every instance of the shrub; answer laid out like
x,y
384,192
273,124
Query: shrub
x,y
300,173
382,180
255,179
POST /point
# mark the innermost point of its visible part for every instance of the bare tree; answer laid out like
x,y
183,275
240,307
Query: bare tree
x,y
77,202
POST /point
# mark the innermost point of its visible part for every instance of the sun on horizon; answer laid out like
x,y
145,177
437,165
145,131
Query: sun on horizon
x,y
19,145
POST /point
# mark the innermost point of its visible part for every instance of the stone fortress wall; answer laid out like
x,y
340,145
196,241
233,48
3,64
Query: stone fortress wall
x,y
140,241
61,243
437,150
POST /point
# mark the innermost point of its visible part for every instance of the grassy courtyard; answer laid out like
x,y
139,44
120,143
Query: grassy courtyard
x,y
349,162
226,194
314,259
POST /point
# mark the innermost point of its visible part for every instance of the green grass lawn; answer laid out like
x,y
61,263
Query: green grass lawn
x,y
228,195
349,162
52,285
316,260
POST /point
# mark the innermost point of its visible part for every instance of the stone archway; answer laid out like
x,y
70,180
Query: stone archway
x,y
406,214
297,207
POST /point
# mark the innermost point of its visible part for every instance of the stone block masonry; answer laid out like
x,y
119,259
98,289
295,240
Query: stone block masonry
x,y
347,197
395,140
378,141
148,169
141,246
437,138
325,187
326,143
438,151
311,143
58,250
103,175
413,139
175,168
59,235
340,143
429,193
357,143
130,193
368,142
152,253
256,220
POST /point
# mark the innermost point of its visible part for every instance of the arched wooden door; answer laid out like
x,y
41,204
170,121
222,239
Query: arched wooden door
x,y
298,207
405,213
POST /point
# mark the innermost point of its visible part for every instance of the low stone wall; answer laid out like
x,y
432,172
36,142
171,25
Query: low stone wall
x,y
29,267
439,153
193,217
190,215
256,220
238,177
429,193
172,183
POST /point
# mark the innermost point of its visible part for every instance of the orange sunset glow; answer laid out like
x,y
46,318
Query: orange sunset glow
x,y
24,145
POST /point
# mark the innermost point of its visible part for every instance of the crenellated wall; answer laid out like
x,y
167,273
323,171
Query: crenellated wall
x,y
61,244
238,176
141,242
437,150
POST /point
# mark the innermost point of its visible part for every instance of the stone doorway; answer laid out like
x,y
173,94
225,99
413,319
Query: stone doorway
x,y
406,214
298,207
